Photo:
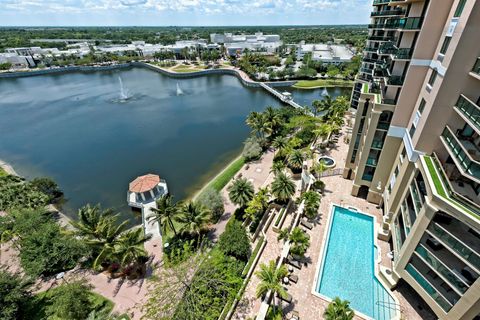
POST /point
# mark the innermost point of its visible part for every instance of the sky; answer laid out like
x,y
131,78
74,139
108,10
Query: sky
x,y
182,12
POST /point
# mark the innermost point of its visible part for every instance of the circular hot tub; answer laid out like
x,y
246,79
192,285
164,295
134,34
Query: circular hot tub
x,y
327,161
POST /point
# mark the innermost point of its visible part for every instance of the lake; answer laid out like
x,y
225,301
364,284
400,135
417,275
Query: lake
x,y
73,128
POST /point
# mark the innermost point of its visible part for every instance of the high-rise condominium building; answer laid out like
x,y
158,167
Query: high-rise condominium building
x,y
415,145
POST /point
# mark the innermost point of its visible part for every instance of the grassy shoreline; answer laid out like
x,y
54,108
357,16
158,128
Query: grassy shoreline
x,y
322,83
219,181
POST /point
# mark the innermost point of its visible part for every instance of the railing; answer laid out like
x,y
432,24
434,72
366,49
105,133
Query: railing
x,y
366,70
387,12
403,53
469,165
456,245
389,101
331,172
410,23
469,109
423,282
381,38
378,2
377,144
396,80
365,77
383,125
476,67
439,266
370,49
444,189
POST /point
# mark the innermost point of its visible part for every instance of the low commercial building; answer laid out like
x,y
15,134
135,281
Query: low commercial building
x,y
17,62
236,44
326,53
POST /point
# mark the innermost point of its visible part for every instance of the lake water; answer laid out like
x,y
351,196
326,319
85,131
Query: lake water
x,y
73,128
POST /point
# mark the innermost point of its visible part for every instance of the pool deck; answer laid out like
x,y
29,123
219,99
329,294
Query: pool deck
x,y
308,305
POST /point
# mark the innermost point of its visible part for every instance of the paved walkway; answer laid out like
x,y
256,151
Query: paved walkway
x,y
258,173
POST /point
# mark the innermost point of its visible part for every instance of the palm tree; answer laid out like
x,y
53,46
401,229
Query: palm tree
x,y
283,188
272,119
277,167
295,160
129,247
319,167
271,280
300,241
339,309
312,201
241,192
165,214
256,122
194,218
280,144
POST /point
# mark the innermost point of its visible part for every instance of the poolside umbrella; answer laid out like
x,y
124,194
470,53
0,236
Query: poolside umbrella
x,y
144,183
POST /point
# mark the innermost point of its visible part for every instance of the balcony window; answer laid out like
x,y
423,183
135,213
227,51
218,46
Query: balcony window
x,y
433,77
368,173
445,44
411,132
476,67
460,6
421,106
470,110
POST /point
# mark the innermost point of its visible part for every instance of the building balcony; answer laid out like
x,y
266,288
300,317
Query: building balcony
x,y
380,2
469,111
383,13
410,23
403,54
365,77
451,190
366,71
395,80
464,152
370,49
382,38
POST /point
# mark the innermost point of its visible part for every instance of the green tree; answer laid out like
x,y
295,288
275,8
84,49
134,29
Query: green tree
x,y
241,191
281,146
194,218
257,122
49,187
283,188
339,309
258,204
166,213
213,200
271,280
277,167
70,301
14,295
272,120
300,241
295,160
312,202
234,241
129,249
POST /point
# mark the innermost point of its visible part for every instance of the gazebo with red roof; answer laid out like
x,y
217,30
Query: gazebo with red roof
x,y
145,189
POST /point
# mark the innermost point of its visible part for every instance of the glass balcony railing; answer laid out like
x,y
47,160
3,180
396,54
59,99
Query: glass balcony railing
x,y
370,49
468,164
411,23
366,70
383,125
442,302
456,245
393,12
377,144
469,109
476,67
437,265
372,162
403,54
396,80
365,77
379,2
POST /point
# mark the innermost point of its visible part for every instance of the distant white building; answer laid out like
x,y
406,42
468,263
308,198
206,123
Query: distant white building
x,y
236,44
18,62
326,53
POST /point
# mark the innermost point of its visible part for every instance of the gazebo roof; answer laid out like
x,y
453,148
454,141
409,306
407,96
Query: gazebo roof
x,y
144,183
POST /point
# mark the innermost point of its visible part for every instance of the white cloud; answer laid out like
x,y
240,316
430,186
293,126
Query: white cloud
x,y
207,6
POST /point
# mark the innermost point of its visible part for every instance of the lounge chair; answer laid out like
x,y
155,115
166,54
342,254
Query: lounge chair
x,y
288,298
294,263
293,278
306,224
295,316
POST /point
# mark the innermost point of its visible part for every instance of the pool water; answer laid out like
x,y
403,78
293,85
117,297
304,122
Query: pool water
x,y
347,269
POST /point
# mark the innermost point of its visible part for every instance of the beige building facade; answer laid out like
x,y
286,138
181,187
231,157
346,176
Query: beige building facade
x,y
415,145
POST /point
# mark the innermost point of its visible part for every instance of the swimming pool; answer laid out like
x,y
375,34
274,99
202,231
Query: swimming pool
x,y
347,269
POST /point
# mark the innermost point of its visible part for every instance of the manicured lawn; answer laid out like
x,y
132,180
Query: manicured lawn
x,y
38,306
227,174
318,83
185,68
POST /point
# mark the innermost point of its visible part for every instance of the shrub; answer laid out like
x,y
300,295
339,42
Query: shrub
x,y
234,241
14,296
49,187
71,301
213,200
252,149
